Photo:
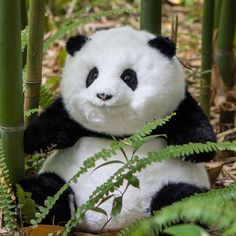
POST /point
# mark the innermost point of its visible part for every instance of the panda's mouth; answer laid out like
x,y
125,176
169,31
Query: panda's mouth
x,y
106,106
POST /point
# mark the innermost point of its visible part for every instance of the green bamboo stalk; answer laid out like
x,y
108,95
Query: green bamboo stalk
x,y
34,57
217,7
150,18
11,95
224,54
24,23
24,13
207,34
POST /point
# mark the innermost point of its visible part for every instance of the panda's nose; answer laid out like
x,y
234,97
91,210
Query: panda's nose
x,y
104,96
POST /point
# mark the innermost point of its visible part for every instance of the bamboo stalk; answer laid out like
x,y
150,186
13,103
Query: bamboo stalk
x,y
24,13
224,54
151,16
217,8
24,23
207,34
11,95
34,57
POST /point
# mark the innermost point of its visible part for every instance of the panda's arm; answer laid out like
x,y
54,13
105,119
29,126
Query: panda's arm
x,y
53,128
190,125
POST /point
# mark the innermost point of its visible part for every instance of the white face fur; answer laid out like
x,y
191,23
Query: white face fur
x,y
160,82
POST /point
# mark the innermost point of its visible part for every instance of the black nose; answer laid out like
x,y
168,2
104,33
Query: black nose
x,y
104,96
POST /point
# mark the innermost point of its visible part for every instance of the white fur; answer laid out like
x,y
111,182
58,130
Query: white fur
x,y
136,202
160,82
160,89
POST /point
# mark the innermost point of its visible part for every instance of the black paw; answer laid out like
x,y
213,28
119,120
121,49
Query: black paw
x,y
47,184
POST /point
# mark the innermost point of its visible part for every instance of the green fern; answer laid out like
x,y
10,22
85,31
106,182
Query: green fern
x,y
70,26
7,197
26,205
33,110
214,208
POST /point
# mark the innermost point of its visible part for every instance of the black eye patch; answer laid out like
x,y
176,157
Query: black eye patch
x,y
130,78
92,75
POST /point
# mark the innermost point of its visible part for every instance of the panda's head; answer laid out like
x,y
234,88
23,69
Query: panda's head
x,y
118,79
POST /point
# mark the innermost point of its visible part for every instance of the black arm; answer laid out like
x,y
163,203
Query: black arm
x,y
53,127
189,125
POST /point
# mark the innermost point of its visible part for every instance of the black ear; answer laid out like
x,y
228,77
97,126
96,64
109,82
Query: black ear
x,y
75,43
164,44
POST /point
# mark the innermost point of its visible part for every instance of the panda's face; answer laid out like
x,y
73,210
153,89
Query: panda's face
x,y
117,82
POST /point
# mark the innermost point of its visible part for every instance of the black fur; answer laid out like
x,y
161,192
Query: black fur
x,y
189,125
75,43
164,44
173,192
54,126
45,185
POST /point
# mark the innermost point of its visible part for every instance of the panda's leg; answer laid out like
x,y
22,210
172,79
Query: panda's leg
x,y
47,184
173,192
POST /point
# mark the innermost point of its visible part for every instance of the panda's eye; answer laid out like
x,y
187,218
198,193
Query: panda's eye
x,y
130,78
92,75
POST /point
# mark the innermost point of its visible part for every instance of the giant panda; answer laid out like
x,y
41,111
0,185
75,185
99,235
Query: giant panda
x,y
112,84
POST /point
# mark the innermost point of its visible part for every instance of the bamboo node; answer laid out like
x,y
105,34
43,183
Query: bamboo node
x,y
11,129
32,82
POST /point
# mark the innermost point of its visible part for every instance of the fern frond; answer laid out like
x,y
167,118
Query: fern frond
x,y
33,110
136,165
148,128
213,208
68,27
7,197
90,163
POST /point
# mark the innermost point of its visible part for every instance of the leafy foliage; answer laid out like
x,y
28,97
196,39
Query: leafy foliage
x,y
33,110
213,208
7,197
26,205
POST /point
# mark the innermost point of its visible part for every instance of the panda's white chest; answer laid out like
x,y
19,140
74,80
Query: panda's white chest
x,y
136,202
